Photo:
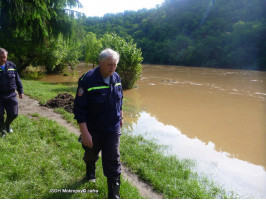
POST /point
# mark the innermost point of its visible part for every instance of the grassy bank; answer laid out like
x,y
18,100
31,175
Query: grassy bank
x,y
43,160
168,175
45,91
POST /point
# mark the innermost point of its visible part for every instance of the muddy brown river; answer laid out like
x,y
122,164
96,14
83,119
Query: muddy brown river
x,y
216,117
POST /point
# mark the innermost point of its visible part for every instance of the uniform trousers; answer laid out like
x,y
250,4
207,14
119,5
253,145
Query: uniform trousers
x,y
108,143
8,103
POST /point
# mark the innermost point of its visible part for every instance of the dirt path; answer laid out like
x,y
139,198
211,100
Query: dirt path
x,y
27,106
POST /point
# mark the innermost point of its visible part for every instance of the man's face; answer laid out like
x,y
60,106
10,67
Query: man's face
x,y
3,58
108,67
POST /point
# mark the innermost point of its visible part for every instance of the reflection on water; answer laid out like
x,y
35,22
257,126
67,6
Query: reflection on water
x,y
214,116
240,176
76,73
225,107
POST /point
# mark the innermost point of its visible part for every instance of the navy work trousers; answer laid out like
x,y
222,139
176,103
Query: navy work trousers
x,y
8,103
108,143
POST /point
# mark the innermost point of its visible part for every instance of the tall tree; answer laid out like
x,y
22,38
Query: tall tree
x,y
38,18
28,25
212,33
92,48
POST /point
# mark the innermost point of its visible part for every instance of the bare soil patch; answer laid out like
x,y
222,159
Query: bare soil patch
x,y
63,100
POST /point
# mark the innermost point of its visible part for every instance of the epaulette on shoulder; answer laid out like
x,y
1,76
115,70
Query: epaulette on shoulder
x,y
81,78
10,64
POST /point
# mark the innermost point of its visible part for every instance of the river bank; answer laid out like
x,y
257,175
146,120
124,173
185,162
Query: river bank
x,y
176,187
213,116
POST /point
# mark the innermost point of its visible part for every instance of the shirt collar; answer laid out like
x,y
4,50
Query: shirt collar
x,y
99,77
3,66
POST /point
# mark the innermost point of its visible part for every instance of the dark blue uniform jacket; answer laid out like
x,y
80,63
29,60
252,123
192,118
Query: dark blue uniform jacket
x,y
9,80
97,103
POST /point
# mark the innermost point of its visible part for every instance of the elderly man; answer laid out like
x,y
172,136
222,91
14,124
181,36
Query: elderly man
x,y
98,110
9,82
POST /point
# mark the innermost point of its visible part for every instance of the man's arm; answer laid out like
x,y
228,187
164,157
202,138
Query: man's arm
x,y
19,84
81,112
85,135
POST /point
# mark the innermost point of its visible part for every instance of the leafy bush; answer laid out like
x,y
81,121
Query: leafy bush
x,y
92,48
58,55
129,67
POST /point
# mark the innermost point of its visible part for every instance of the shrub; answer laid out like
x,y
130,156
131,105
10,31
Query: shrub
x,y
129,67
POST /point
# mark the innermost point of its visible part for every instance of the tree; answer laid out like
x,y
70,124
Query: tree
x,y
193,32
27,27
248,39
92,48
39,18
57,55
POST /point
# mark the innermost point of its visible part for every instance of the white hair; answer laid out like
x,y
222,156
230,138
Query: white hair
x,y
108,53
3,51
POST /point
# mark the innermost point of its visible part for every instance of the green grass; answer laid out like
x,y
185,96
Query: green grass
x,y
41,156
67,116
168,175
45,91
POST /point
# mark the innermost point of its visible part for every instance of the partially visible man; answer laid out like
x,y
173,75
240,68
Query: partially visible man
x,y
98,110
9,82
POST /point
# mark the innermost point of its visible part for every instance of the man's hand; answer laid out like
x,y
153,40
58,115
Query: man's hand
x,y
85,135
21,95
87,139
121,123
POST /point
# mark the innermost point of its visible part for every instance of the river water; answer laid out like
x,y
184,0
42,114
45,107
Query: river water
x,y
213,116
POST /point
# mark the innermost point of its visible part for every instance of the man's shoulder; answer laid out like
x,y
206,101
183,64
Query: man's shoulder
x,y
88,76
10,64
117,77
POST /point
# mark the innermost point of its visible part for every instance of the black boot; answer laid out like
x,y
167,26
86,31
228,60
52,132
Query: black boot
x,y
2,128
9,119
90,171
113,187
8,128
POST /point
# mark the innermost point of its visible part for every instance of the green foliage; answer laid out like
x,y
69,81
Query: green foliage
x,y
129,67
92,48
32,31
38,19
213,33
58,55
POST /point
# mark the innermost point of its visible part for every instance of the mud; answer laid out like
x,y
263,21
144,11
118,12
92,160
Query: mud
x,y
63,100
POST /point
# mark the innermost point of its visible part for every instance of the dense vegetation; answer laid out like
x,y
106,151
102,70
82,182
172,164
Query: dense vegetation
x,y
212,33
39,32
46,33
129,66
